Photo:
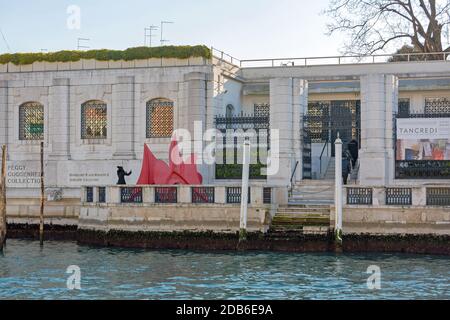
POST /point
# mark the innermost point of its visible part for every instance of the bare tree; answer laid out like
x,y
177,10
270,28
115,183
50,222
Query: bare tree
x,y
380,25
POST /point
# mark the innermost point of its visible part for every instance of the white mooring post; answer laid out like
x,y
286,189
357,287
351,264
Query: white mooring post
x,y
244,191
338,191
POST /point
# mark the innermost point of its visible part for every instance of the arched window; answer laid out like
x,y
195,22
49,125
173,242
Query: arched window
x,y
31,121
230,111
94,120
159,118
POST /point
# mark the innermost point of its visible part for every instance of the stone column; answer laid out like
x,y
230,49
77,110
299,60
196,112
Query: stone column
x,y
379,94
300,88
123,118
197,91
392,85
59,120
282,119
3,112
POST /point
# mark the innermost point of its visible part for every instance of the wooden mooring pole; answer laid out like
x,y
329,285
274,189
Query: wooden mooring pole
x,y
41,216
3,201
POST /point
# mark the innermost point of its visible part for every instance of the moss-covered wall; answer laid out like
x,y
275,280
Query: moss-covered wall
x,y
138,53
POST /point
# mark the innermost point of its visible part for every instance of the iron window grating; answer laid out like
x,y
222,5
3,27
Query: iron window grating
x,y
94,120
31,121
398,196
160,115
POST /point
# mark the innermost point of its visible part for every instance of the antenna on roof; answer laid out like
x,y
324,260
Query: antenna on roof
x,y
6,42
162,28
148,33
79,45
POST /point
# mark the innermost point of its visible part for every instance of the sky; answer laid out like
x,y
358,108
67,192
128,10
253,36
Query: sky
x,y
246,29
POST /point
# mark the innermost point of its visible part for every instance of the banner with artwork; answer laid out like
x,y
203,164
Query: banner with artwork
x,y
422,139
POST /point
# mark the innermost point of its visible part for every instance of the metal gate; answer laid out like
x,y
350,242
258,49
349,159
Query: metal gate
x,y
323,122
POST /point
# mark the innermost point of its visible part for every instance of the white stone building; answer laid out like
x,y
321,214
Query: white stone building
x,y
94,116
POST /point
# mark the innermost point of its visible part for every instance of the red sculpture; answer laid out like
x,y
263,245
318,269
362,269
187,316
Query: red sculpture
x,y
157,172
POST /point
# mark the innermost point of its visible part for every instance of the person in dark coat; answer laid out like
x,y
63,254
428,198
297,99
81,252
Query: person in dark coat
x,y
354,151
121,173
346,166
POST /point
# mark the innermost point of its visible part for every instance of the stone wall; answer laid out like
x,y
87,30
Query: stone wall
x,y
172,218
389,220
64,213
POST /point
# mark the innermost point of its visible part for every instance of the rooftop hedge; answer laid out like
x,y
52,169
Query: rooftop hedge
x,y
179,52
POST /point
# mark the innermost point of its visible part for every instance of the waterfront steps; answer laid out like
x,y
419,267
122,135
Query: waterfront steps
x,y
294,220
312,192
308,211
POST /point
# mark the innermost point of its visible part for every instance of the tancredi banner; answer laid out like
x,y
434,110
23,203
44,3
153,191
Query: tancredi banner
x,y
423,139
423,128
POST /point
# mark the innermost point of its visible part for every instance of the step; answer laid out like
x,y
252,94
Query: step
x,y
329,182
285,232
317,194
312,190
302,215
309,194
311,202
285,215
303,211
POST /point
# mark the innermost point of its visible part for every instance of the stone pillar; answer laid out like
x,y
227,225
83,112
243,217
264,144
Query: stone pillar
x,y
59,120
300,101
392,85
282,119
123,118
197,92
3,112
379,94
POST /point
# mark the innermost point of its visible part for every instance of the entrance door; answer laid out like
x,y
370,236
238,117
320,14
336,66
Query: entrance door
x,y
345,120
325,119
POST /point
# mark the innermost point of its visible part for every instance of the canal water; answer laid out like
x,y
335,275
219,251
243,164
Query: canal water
x,y
29,272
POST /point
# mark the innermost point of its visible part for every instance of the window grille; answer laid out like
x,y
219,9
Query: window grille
x,y
359,196
262,110
159,118
404,107
94,120
398,196
202,194
437,106
31,121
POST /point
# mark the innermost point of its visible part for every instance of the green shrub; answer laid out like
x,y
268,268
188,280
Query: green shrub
x,y
178,52
234,172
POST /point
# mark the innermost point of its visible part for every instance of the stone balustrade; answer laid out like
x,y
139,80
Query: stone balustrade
x,y
259,195
414,196
177,208
401,210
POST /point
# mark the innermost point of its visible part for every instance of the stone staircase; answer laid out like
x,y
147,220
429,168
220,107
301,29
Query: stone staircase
x,y
308,211
330,173
300,219
313,192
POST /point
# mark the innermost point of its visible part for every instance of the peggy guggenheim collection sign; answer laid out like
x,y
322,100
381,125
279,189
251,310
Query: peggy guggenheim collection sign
x,y
422,139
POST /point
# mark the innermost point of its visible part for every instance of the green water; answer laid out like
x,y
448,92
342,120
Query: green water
x,y
29,272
